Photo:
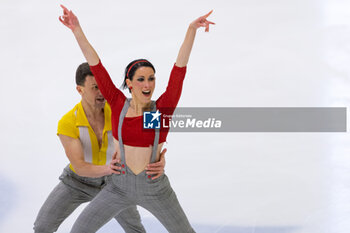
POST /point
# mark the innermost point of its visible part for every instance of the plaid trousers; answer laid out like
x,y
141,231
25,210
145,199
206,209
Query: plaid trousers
x,y
72,191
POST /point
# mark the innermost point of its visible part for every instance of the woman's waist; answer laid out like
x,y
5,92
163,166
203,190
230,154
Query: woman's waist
x,y
137,160
137,150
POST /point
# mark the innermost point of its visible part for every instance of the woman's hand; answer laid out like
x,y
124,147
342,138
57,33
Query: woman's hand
x,y
186,47
202,22
69,19
72,22
158,167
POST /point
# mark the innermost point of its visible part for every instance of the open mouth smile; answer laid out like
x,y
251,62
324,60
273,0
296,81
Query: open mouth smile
x,y
146,93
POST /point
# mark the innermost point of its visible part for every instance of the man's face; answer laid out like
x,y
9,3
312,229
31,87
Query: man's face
x,y
90,93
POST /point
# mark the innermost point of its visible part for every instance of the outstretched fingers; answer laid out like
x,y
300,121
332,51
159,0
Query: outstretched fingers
x,y
65,10
204,22
207,15
206,25
62,19
210,22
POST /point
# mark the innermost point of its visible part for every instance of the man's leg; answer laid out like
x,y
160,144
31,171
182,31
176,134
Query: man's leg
x,y
61,202
64,199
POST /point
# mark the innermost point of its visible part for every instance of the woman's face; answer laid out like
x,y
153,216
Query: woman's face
x,y
143,84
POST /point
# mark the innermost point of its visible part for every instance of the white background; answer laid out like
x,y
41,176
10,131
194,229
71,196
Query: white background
x,y
271,53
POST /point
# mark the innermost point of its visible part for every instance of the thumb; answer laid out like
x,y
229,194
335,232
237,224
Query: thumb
x,y
162,154
115,155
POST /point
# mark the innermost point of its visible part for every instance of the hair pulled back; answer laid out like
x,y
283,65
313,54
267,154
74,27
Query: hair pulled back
x,y
132,67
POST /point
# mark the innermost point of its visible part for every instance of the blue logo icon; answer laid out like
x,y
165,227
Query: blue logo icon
x,y
151,120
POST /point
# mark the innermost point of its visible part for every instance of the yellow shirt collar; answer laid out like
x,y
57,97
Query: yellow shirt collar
x,y
82,120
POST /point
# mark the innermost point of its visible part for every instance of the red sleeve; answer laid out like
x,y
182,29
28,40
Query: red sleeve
x,y
171,96
105,84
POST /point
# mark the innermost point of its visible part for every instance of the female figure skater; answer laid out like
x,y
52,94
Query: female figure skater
x,y
134,145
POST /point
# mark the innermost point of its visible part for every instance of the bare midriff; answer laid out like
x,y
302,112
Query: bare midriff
x,y
137,158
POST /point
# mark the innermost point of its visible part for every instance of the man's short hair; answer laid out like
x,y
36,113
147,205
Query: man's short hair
x,y
81,73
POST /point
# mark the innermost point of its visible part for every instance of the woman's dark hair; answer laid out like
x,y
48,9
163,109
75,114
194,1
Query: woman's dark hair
x,y
81,73
131,69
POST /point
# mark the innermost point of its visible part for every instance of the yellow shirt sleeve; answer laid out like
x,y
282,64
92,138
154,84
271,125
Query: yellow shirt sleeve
x,y
67,126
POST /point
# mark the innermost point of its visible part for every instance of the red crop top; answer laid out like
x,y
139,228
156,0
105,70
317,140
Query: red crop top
x,y
132,129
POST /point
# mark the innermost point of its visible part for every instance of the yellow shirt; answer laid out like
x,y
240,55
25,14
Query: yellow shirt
x,y
75,124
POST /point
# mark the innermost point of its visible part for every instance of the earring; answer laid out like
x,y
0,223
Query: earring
x,y
130,88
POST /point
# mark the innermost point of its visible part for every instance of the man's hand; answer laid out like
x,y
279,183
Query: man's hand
x,y
158,167
114,167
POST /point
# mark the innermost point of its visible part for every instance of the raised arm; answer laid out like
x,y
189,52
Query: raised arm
x,y
72,22
186,47
171,96
104,81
